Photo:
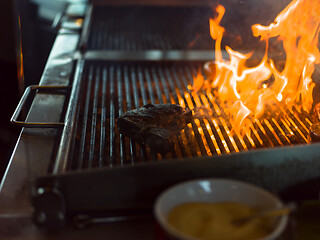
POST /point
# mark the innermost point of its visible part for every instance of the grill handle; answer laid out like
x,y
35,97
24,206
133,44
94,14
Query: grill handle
x,y
23,100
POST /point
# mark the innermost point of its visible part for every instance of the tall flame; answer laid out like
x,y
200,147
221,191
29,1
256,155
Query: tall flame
x,y
249,90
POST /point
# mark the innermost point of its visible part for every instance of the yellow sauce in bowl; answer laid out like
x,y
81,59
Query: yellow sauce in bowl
x,y
214,221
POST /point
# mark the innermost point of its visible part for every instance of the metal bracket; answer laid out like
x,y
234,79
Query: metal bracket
x,y
22,103
63,20
50,209
86,29
82,221
57,21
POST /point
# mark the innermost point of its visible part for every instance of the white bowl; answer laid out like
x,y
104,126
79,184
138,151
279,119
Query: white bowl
x,y
215,190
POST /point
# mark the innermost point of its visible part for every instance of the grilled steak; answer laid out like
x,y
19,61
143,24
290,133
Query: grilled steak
x,y
155,125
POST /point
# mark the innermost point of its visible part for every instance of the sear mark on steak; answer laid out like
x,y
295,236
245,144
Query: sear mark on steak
x,y
155,125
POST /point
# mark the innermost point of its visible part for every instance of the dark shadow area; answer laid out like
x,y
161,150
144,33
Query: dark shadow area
x,y
8,101
37,38
9,93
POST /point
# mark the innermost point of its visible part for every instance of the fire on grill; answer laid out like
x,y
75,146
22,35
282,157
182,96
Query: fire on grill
x,y
254,91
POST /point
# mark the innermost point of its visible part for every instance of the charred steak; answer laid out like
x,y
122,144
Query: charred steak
x,y
155,125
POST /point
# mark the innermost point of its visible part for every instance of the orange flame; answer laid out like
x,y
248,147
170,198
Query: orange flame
x,y
198,82
249,90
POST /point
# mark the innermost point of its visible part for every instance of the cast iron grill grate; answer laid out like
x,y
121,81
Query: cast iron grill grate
x,y
109,89
144,28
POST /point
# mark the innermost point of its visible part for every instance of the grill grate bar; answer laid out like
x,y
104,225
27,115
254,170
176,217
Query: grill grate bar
x,y
293,130
103,122
142,87
297,130
272,133
119,81
139,85
157,85
280,131
220,133
304,131
165,86
150,92
134,87
133,151
263,134
112,117
85,120
268,133
94,118
149,86
109,89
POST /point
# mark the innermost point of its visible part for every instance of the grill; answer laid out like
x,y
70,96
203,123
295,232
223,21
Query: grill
x,y
97,172
117,64
109,89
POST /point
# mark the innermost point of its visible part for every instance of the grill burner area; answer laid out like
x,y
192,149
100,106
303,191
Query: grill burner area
x,y
111,88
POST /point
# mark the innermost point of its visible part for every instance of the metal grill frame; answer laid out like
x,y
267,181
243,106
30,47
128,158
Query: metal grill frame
x,y
125,188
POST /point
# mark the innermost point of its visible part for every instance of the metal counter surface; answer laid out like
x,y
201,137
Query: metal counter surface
x,y
16,213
